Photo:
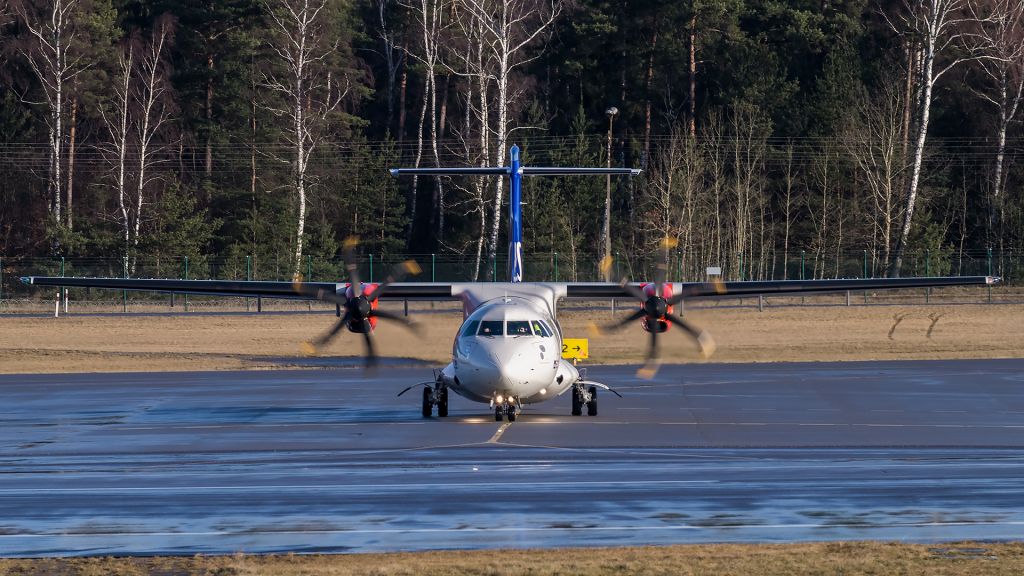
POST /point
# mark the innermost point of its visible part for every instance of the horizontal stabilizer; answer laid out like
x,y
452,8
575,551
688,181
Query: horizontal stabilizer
x,y
486,171
525,171
558,171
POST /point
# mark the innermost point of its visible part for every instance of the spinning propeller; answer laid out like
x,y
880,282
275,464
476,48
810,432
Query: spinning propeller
x,y
359,305
656,313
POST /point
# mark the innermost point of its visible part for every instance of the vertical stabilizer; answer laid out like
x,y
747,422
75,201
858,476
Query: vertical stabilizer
x,y
515,219
515,172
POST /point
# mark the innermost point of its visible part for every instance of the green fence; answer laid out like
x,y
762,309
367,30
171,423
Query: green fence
x,y
681,266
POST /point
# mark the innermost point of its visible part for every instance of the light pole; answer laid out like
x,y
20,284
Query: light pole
x,y
606,227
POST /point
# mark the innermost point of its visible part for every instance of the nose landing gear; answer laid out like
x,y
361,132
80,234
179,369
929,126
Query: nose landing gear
x,y
506,408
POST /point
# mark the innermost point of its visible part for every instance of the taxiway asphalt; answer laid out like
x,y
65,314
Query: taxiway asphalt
x,y
329,460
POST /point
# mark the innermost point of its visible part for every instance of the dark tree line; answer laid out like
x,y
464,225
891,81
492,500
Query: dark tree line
x,y
766,128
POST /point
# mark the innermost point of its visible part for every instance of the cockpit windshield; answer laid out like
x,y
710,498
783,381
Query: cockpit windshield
x,y
510,328
492,328
539,329
519,328
470,328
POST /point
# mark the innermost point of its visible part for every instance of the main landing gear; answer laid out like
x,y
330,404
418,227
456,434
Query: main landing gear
x,y
583,396
436,396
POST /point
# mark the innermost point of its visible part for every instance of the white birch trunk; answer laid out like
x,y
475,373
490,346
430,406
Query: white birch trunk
x,y
150,100
940,25
298,104
308,92
47,55
504,29
915,174
117,126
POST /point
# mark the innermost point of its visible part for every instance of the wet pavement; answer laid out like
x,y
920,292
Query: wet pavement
x,y
329,460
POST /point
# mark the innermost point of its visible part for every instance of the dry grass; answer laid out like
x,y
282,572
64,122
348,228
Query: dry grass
x,y
843,558
220,342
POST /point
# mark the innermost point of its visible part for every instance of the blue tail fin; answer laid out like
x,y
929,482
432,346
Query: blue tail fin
x,y
515,218
515,172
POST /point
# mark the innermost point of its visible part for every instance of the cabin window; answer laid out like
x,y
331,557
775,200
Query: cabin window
x,y
492,328
470,328
519,328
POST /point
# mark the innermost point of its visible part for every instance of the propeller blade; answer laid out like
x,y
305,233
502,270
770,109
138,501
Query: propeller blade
x,y
717,285
622,323
310,348
309,291
359,306
404,321
400,271
704,339
652,362
371,352
661,267
606,267
633,290
352,265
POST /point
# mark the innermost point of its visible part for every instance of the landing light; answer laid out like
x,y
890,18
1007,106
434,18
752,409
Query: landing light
x,y
543,391
499,399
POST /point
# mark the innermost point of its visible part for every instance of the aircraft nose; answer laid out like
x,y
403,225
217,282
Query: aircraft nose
x,y
501,365
505,366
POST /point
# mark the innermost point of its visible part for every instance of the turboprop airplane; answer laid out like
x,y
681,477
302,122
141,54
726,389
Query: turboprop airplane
x,y
507,352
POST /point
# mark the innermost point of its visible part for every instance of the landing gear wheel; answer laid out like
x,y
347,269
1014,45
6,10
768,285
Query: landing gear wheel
x,y
592,405
441,394
428,402
510,412
577,402
499,412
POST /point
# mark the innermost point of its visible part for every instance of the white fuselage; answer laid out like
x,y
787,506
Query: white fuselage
x,y
509,349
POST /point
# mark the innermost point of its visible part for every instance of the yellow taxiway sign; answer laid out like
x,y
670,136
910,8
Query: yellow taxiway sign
x,y
578,348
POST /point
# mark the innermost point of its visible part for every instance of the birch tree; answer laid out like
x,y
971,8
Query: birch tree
x,y
134,117
432,18
394,56
873,141
306,88
52,49
469,62
939,27
675,182
750,132
115,115
789,179
1001,38
153,112
508,30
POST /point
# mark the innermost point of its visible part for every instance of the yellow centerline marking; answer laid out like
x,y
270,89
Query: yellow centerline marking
x,y
501,430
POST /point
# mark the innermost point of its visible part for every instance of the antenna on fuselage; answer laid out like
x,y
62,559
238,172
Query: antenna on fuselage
x,y
515,172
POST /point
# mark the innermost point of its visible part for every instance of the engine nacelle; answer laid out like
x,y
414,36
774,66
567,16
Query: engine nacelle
x,y
360,326
661,324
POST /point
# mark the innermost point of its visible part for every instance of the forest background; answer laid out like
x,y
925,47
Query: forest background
x,y
778,138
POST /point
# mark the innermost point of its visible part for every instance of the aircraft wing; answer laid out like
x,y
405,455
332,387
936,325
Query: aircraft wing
x,y
241,288
734,289
435,291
